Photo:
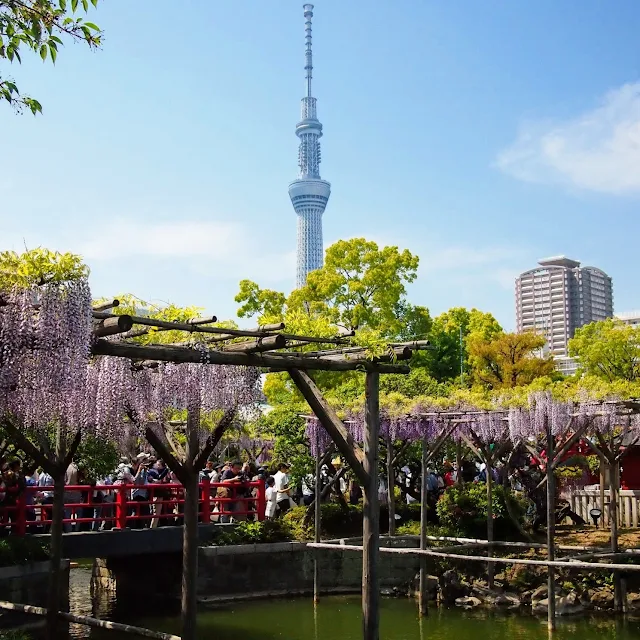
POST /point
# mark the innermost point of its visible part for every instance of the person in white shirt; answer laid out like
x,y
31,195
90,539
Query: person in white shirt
x,y
271,495
282,488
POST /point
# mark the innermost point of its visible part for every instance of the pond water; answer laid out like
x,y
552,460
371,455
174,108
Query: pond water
x,y
336,617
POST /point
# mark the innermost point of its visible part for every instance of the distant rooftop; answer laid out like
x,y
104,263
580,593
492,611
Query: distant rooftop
x,y
559,261
628,315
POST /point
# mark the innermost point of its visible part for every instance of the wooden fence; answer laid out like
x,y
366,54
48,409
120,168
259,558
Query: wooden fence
x,y
584,500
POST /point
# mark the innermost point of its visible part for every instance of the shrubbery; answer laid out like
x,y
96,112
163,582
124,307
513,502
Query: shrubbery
x,y
463,511
253,533
14,550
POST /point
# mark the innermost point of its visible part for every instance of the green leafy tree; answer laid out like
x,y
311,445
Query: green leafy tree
x,y
609,349
450,335
508,360
40,26
361,286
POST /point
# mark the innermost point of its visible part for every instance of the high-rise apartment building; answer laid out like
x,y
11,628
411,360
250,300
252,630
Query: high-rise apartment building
x,y
558,297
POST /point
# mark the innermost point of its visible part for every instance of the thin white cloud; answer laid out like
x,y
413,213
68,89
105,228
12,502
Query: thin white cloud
x,y
598,150
125,238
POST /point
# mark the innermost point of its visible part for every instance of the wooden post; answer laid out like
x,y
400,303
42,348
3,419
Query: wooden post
x,y
459,480
317,523
488,469
391,485
55,548
371,512
614,483
422,603
190,531
551,530
602,508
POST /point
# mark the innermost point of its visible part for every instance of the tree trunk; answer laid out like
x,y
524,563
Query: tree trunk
x,y
391,485
371,513
55,550
190,534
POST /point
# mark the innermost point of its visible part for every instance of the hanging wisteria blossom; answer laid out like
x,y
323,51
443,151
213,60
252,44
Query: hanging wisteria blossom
x,y
45,336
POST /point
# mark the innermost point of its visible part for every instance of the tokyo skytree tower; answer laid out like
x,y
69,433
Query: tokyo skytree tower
x,y
309,193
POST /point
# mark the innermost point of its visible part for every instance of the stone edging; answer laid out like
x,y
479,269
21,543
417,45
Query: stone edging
x,y
24,570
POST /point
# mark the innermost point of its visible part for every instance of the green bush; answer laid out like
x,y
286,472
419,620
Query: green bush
x,y
22,551
463,509
253,533
14,634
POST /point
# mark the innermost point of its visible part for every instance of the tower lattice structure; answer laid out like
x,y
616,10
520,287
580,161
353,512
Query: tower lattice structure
x,y
309,193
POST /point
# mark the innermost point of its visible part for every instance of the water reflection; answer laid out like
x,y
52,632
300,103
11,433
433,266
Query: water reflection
x,y
334,617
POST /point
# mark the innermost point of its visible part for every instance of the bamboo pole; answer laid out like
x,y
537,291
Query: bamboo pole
x,y
593,566
551,530
371,513
391,485
189,603
318,513
422,603
488,469
89,622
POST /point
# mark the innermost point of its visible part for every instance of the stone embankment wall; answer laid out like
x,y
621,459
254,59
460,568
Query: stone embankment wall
x,y
27,584
249,571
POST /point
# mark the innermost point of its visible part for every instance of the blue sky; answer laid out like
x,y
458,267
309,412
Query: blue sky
x,y
480,135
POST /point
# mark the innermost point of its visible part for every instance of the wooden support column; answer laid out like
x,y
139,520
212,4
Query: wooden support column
x,y
422,603
459,480
317,523
391,485
371,512
551,531
190,531
602,481
614,484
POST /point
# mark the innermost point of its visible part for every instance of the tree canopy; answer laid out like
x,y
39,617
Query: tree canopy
x,y
360,286
40,26
609,349
508,360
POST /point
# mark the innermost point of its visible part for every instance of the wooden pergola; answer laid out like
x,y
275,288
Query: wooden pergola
x,y
271,348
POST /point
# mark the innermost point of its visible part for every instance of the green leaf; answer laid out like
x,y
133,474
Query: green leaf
x,y
43,51
74,5
95,27
94,3
53,52
85,5
63,5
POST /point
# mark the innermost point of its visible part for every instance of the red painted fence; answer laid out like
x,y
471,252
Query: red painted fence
x,y
124,507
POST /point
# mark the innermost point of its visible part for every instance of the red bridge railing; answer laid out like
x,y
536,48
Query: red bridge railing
x,y
131,506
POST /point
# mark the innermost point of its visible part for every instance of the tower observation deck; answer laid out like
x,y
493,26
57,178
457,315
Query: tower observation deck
x,y
309,193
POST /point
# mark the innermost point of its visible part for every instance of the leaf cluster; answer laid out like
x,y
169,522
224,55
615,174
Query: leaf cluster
x,y
39,26
37,267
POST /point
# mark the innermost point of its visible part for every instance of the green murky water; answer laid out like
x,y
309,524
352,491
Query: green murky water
x,y
337,618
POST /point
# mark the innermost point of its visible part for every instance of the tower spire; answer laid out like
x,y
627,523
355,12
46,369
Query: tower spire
x,y
308,67
309,193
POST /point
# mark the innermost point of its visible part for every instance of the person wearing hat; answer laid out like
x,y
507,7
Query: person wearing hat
x,y
139,494
283,490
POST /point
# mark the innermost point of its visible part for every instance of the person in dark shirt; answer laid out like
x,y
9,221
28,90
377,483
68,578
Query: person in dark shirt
x,y
158,475
233,477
